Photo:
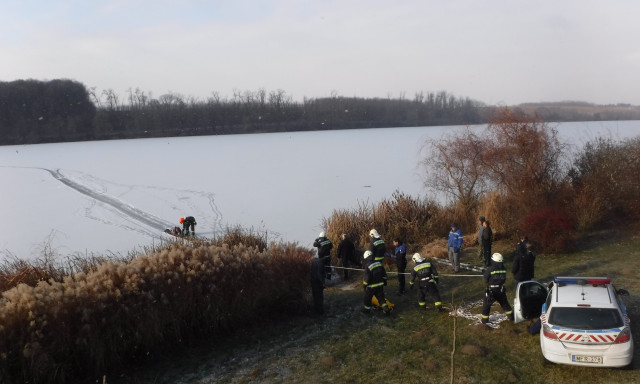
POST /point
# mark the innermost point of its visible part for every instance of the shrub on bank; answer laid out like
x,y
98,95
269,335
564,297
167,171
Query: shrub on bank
x,y
401,216
90,324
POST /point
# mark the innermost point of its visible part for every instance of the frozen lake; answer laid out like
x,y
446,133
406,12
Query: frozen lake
x,y
116,196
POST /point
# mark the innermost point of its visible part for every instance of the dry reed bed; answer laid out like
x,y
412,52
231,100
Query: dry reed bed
x,y
92,323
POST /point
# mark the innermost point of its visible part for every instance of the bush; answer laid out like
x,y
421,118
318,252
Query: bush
x,y
403,216
94,323
606,183
550,229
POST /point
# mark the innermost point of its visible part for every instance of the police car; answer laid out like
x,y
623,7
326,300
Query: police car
x,y
583,320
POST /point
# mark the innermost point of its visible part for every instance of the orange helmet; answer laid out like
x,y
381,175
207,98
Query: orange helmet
x,y
181,220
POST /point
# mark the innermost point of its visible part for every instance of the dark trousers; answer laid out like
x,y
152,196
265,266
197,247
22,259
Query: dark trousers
x,y
402,265
345,265
486,253
185,228
491,296
326,260
378,292
317,292
430,289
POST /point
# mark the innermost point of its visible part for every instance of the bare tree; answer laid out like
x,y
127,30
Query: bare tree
x,y
453,167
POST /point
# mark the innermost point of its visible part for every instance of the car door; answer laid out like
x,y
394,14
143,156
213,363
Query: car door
x,y
528,300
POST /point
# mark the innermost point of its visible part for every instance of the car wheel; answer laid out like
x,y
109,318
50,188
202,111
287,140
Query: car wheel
x,y
545,362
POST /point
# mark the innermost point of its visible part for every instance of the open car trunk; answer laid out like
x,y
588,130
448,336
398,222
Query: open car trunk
x,y
527,303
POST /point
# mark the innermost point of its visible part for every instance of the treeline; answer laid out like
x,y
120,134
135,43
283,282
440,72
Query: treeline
x,y
63,110
33,111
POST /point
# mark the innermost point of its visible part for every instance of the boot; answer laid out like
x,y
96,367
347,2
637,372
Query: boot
x,y
510,316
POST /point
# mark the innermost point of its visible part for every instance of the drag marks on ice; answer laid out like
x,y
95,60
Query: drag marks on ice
x,y
156,209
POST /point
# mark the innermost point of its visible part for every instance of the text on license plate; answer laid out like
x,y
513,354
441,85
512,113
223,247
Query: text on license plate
x,y
587,359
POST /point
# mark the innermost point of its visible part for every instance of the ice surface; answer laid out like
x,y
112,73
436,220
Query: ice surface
x,y
115,196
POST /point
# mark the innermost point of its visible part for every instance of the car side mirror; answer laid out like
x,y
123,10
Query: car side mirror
x,y
622,292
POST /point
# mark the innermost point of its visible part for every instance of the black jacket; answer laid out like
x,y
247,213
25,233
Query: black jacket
x,y
523,265
346,251
324,246
495,275
487,237
378,248
374,274
425,272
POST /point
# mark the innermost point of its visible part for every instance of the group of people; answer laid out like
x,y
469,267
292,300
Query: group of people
x,y
424,273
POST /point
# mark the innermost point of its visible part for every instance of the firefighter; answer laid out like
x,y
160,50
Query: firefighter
x,y
375,278
427,276
188,222
324,246
494,277
377,246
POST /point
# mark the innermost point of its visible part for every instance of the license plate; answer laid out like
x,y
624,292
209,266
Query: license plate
x,y
587,359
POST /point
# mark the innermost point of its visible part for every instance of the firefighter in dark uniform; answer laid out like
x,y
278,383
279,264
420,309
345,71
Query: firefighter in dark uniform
x,y
375,278
317,285
427,276
377,246
324,246
188,222
401,262
495,276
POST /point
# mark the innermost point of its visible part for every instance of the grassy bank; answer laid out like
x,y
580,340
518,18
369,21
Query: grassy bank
x,y
411,345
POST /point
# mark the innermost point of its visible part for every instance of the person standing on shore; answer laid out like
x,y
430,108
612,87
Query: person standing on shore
x,y
487,241
454,245
346,253
401,262
481,220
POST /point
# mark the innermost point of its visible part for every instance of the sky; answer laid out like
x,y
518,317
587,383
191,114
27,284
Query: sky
x,y
500,52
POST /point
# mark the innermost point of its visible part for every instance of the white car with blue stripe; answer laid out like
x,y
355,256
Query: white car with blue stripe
x,y
583,320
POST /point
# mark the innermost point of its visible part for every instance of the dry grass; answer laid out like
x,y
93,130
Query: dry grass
x,y
116,312
402,216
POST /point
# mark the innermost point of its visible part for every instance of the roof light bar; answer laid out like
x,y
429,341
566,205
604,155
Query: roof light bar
x,y
582,280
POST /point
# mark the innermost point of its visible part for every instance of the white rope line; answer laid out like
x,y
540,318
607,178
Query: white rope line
x,y
407,273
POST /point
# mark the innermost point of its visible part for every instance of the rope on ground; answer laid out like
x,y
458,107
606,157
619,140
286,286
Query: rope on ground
x,y
453,350
407,273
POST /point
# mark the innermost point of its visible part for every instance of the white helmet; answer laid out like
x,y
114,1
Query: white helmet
x,y
322,234
367,254
497,257
417,258
374,233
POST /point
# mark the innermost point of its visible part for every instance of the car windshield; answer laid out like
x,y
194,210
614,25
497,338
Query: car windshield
x,y
585,317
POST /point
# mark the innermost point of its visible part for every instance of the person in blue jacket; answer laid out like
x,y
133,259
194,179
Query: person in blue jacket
x,y
454,245
401,262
